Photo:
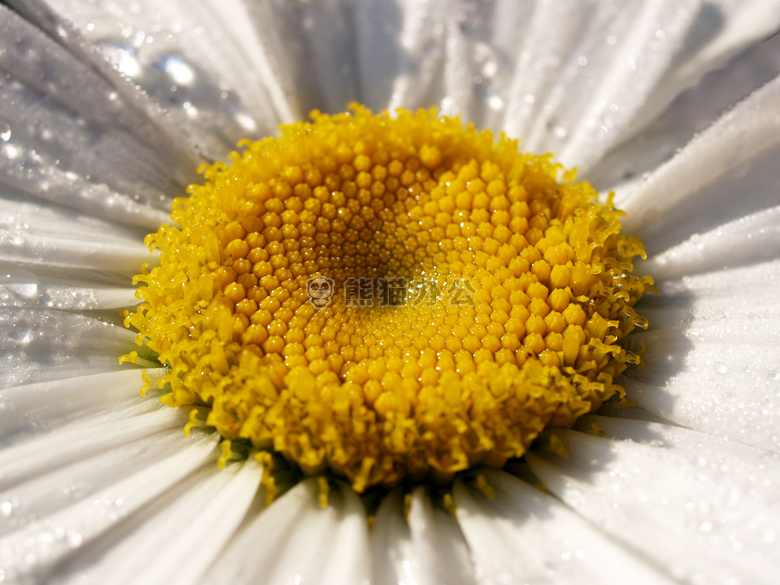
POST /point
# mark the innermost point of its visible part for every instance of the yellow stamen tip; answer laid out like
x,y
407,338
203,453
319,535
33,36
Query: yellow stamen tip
x,y
226,452
484,486
323,491
193,422
131,358
555,445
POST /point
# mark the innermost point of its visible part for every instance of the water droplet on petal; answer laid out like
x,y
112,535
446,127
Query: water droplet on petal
x,y
5,131
20,331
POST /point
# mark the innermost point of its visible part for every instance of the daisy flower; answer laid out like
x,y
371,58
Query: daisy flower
x,y
569,463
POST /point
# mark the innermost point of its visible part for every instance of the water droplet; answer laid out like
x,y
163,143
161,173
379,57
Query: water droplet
x,y
721,368
123,57
469,19
24,290
20,331
307,20
5,131
7,508
177,69
486,60
495,102
74,538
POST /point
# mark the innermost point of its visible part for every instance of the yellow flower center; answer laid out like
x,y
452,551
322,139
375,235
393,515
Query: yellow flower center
x,y
389,297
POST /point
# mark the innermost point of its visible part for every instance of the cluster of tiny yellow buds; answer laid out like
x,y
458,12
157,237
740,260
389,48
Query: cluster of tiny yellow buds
x,y
390,296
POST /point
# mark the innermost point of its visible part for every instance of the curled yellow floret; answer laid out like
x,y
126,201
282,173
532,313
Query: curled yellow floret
x,y
389,296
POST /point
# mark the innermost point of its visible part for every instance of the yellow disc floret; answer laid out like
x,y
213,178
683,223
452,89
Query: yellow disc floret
x,y
390,296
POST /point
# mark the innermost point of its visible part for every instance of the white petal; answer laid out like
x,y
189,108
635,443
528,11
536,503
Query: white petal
x,y
39,407
251,556
526,536
33,549
609,58
428,550
178,537
756,470
400,47
391,544
95,150
40,345
195,59
25,289
689,114
347,558
713,354
440,554
723,29
738,154
749,239
596,102
52,235
552,36
56,488
310,48
84,438
696,511
482,54
296,541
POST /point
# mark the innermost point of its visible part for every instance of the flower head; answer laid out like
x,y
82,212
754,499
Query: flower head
x,y
109,110
528,284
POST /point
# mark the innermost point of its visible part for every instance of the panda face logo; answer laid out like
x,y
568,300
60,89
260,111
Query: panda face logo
x,y
320,290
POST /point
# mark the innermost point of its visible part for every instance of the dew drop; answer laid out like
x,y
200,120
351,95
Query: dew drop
x,y
177,69
721,368
7,508
307,20
24,290
123,57
5,131
20,331
46,300
495,102
486,60
74,538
